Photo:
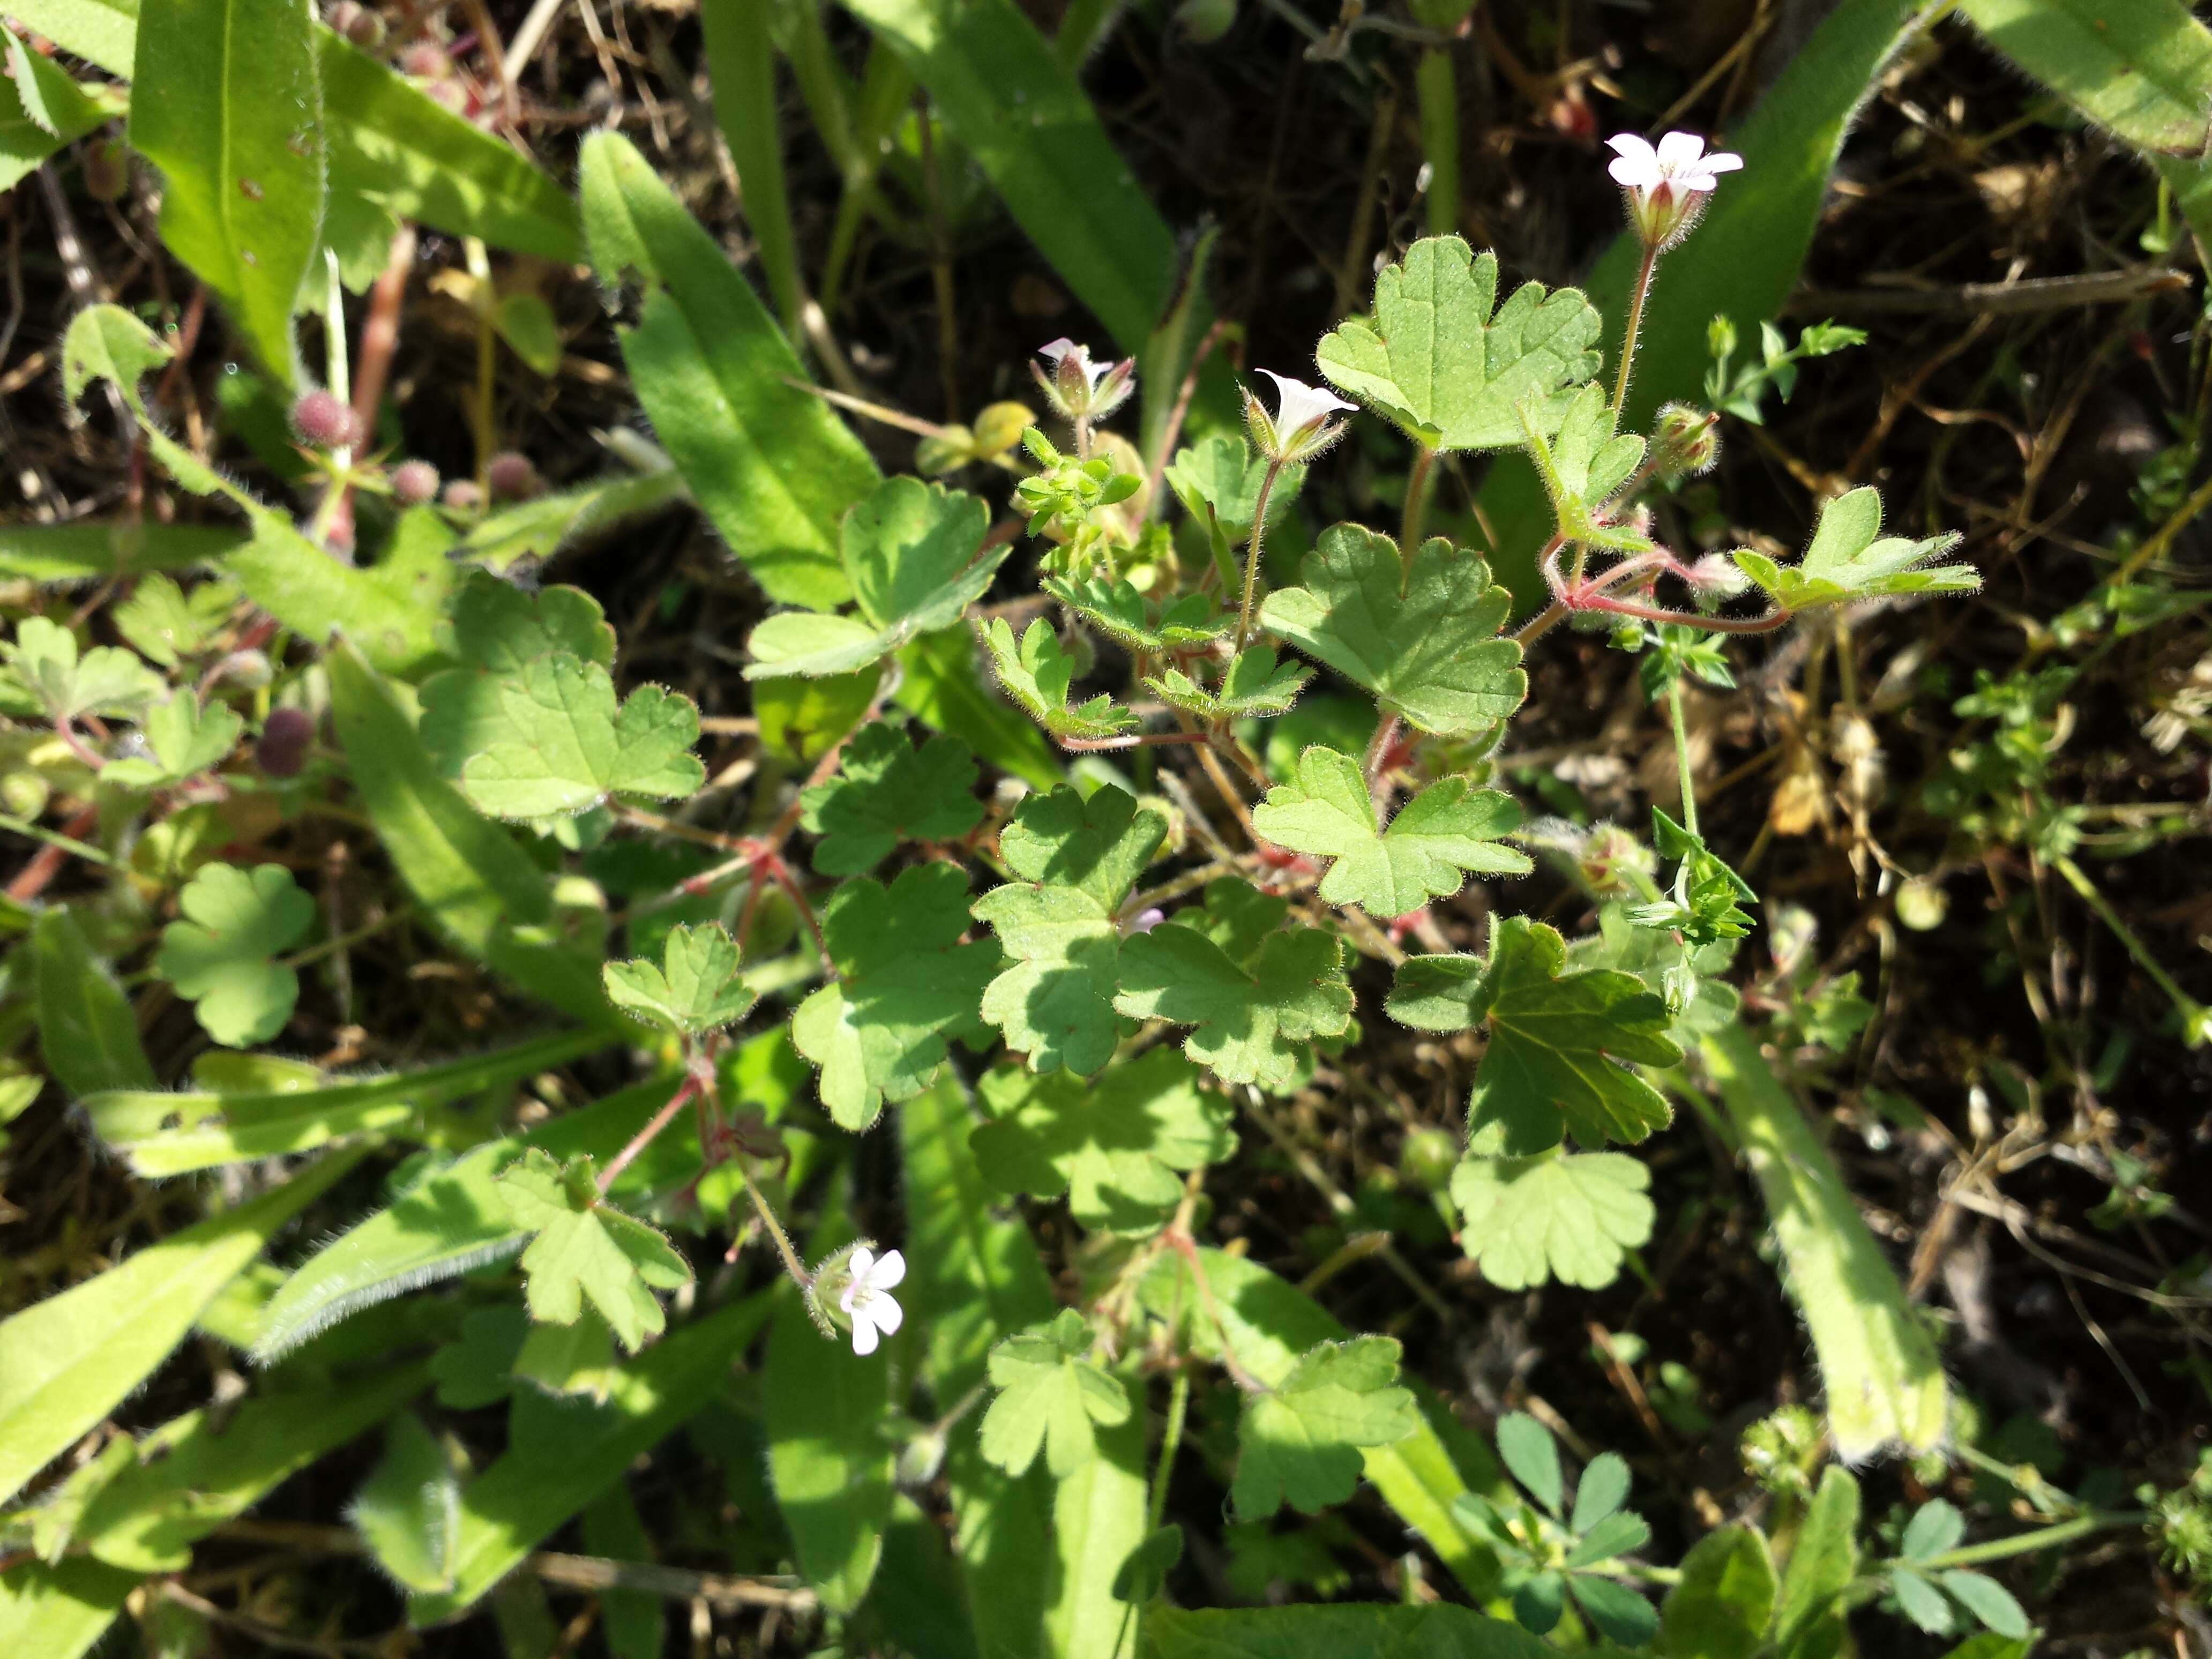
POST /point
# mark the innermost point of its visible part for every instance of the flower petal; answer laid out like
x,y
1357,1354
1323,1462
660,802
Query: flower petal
x,y
861,1264
1631,146
1634,172
889,1271
1053,351
1721,161
887,1314
1679,151
863,1336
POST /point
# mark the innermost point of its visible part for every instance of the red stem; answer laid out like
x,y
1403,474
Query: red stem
x,y
644,1137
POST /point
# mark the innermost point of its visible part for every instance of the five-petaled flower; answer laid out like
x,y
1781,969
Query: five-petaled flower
x,y
1301,425
866,1298
1079,388
1666,186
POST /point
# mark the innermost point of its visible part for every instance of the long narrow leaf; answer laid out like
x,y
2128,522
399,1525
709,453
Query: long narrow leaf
x,y
86,1028
741,61
1885,1385
86,552
2141,68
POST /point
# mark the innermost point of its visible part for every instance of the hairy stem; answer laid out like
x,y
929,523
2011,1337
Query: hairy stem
x,y
1635,324
645,1136
2063,1531
1253,550
791,1264
1416,500
1170,1440
1682,756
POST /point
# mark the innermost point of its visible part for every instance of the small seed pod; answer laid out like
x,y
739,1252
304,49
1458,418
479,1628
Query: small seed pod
x,y
511,478
413,483
321,419
463,496
281,749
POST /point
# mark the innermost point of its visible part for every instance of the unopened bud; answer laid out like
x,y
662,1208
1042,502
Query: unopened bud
x,y
1206,20
358,24
248,670
463,496
106,170
413,483
425,60
920,1460
321,419
282,750
1715,578
1922,904
1684,441
1079,388
25,793
1428,1158
511,478
1607,856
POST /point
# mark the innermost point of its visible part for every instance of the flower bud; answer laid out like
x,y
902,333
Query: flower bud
x,y
1607,854
282,750
358,24
321,419
1684,441
1080,389
248,670
1428,1158
1715,578
513,477
413,483
1921,903
463,496
106,170
920,1460
1303,424
24,793
425,60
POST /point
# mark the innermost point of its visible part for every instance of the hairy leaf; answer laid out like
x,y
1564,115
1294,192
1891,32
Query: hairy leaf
x,y
1582,466
186,739
886,792
1255,997
42,662
2139,67
905,984
913,554
1115,609
1720,1607
1448,363
1253,687
1035,674
498,631
563,745
1445,829
220,957
408,1509
585,1248
1424,639
1078,859
1556,1039
1114,1146
1845,561
1808,1618
696,990
166,623
1051,1393
1302,1441
41,109
1559,1215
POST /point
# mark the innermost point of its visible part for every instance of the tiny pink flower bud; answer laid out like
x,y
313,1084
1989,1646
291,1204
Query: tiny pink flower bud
x,y
1303,423
1666,186
463,496
1715,578
1684,441
413,483
321,419
1079,388
362,26
425,60
281,749
511,478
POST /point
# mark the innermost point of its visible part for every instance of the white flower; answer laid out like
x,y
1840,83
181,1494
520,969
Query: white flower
x,y
1679,160
1300,428
1666,186
866,1297
1079,388
1059,351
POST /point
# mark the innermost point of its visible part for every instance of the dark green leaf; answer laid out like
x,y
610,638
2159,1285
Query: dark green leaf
x,y
1527,1449
886,792
1051,1393
1302,1441
87,1032
696,990
1620,1614
1435,1632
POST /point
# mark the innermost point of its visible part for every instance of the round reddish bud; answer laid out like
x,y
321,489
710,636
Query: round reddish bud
x,y
282,750
106,170
413,483
449,95
511,478
358,24
1684,441
463,496
322,419
425,60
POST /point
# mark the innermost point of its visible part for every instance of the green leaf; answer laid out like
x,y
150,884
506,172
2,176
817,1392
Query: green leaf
x,y
408,1509
2139,68
58,1612
514,1505
1253,688
199,1470
41,109
915,557
219,957
1115,608
585,1248
227,101
228,1121
1035,674
1616,1535
905,984
1051,1393
884,793
1021,113
771,466
1114,1147
943,686
1256,996
1439,1630
1846,562
1078,859
1720,1607
1447,828
1558,1215
1424,639
569,1359
68,1361
537,532
1921,1601
1808,1622
1621,1614
88,1035
187,740
395,150
1097,1524
1302,1441
525,322
741,64
43,662
696,991
165,623
1988,1601
1936,1527
1878,1364
563,745
1527,1449
831,1454
1582,469
498,631
1218,479
1557,1041
68,553
1600,1493
633,1619
101,32
1448,363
